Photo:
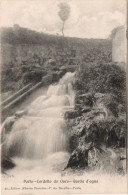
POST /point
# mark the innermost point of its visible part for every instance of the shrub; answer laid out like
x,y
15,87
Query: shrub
x,y
102,78
33,76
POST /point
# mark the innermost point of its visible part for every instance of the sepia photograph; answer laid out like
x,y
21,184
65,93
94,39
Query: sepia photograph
x,y
63,97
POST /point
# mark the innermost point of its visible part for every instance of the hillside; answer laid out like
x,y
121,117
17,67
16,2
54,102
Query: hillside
x,y
28,55
19,35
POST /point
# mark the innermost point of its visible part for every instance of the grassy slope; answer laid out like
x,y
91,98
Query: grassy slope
x,y
64,52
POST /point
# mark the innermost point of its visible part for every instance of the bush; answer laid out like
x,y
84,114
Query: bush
x,y
32,77
99,78
111,132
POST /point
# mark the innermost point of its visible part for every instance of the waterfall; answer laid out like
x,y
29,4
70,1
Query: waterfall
x,y
42,131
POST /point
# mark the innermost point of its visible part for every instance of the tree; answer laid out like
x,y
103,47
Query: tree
x,y
64,13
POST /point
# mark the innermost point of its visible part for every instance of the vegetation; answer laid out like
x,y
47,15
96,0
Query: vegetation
x,y
99,116
102,78
56,53
19,35
99,128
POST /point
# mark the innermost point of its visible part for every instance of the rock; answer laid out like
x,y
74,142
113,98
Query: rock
x,y
47,79
121,167
109,102
71,68
85,109
97,128
20,113
120,130
82,109
79,157
105,98
98,158
78,107
106,131
63,68
8,123
73,142
106,160
99,95
80,130
37,65
60,73
113,107
96,114
55,76
116,133
86,155
101,122
7,163
85,99
51,62
111,139
33,76
71,114
93,133
91,156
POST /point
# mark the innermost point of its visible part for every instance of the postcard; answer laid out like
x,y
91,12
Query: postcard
x,y
63,97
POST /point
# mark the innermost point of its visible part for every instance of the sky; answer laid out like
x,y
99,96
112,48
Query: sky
x,y
88,18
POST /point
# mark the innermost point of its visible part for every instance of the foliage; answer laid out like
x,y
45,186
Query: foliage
x,y
33,76
64,14
111,131
102,78
64,11
44,49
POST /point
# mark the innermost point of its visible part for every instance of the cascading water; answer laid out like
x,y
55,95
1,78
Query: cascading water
x,y
41,132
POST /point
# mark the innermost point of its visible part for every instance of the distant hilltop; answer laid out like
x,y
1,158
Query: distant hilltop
x,y
21,35
20,46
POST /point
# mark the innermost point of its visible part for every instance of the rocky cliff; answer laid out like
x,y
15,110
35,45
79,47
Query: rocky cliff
x,y
97,125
